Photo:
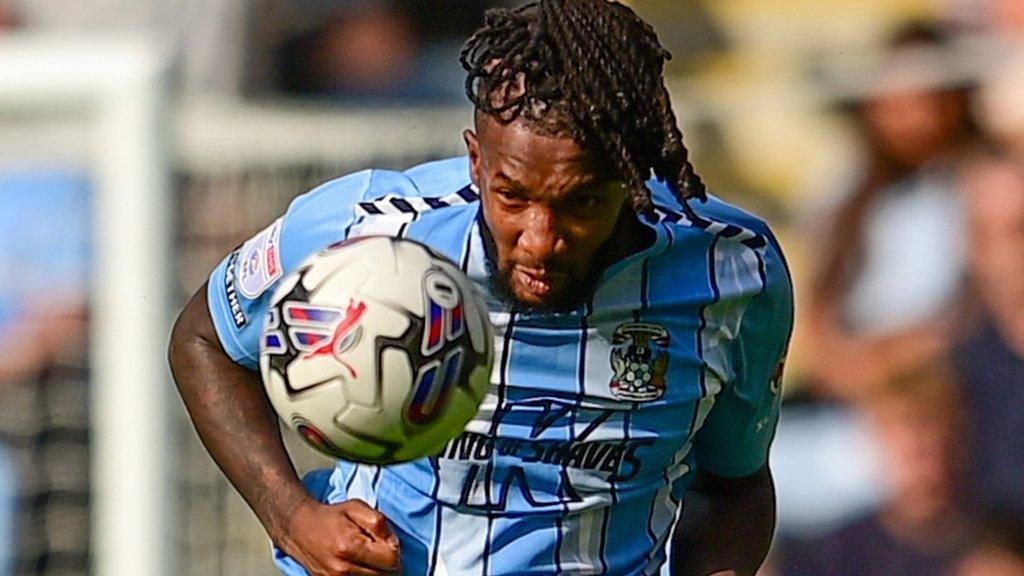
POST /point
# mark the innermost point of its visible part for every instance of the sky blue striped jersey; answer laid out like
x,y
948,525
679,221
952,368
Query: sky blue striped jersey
x,y
582,452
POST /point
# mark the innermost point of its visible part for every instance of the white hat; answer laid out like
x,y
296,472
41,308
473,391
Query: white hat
x,y
913,66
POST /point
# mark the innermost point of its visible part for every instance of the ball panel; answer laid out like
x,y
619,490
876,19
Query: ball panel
x,y
358,447
317,439
400,290
396,381
316,406
339,285
307,375
420,446
369,423
430,391
275,386
375,420
478,384
428,441
381,257
328,263
284,288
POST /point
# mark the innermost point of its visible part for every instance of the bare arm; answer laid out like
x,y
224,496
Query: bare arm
x,y
851,365
234,418
238,426
726,526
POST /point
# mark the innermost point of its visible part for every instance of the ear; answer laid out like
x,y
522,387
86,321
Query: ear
x,y
475,160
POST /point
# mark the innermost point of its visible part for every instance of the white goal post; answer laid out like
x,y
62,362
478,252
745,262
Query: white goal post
x,y
117,83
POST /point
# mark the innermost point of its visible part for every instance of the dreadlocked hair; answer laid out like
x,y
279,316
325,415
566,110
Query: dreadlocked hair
x,y
591,70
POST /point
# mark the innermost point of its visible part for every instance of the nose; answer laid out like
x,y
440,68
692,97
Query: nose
x,y
540,238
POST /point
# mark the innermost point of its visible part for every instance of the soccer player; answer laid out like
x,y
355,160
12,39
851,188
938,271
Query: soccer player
x,y
640,331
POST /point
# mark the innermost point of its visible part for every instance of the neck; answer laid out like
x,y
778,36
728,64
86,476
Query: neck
x,y
630,237
1011,327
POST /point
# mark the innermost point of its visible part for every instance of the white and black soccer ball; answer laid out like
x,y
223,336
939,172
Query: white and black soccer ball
x,y
377,350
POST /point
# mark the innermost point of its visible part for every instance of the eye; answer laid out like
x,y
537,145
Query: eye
x,y
509,196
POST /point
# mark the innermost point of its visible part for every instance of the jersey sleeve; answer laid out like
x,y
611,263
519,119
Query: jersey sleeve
x,y
738,431
241,286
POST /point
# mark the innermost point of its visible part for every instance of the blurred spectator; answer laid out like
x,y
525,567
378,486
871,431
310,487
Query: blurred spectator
x,y
8,21
826,468
44,255
1003,95
366,51
998,549
374,52
921,525
991,355
892,264
43,268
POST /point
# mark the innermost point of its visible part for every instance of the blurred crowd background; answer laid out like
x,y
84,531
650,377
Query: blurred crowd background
x,y
883,140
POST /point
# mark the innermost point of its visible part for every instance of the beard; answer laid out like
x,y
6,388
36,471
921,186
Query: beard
x,y
575,294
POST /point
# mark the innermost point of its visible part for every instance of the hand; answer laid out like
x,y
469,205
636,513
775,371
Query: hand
x,y
341,539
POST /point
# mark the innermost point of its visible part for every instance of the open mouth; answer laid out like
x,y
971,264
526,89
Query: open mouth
x,y
537,283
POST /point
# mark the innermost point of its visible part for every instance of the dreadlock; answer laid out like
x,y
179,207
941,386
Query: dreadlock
x,y
589,69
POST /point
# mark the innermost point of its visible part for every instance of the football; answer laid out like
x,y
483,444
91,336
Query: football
x,y
376,350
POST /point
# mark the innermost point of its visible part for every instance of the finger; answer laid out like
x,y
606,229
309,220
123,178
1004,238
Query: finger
x,y
344,567
372,521
352,557
354,568
374,557
368,553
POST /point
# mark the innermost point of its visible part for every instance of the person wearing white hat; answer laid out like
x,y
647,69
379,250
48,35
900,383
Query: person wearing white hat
x,y
893,262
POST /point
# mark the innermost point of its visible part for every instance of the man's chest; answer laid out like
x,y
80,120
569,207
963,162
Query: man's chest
x,y
583,408
616,358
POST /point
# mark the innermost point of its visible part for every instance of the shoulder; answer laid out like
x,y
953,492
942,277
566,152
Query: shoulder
x,y
327,213
732,222
334,204
738,239
342,195
714,216
748,235
440,177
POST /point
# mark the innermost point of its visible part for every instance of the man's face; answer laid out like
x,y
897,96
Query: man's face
x,y
917,435
548,208
996,209
913,126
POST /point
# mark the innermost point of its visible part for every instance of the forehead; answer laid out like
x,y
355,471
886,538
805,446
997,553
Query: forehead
x,y
522,151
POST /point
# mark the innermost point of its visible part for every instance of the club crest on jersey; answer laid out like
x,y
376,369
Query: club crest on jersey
x,y
639,361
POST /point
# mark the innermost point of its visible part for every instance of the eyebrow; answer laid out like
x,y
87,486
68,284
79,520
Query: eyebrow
x,y
518,186
511,182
